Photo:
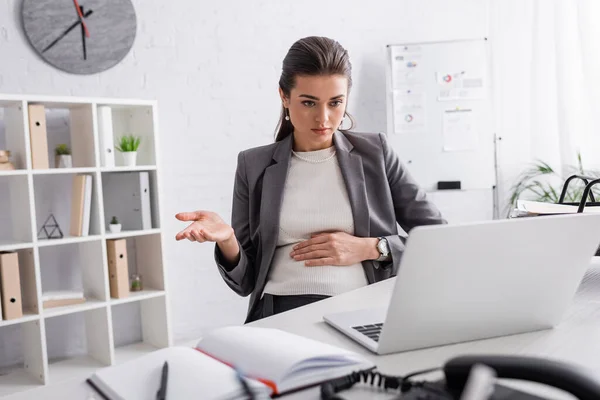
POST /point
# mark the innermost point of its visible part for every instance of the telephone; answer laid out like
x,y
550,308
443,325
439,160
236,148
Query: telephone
x,y
458,374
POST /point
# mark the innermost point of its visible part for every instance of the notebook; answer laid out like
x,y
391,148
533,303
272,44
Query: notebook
x,y
273,361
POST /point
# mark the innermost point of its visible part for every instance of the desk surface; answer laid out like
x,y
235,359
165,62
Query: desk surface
x,y
575,339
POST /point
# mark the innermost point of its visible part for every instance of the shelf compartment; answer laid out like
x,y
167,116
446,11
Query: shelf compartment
x,y
144,258
77,344
71,124
115,121
12,134
73,267
132,197
53,196
139,327
15,214
21,358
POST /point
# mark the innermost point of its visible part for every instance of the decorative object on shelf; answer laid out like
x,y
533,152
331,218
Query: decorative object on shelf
x,y
128,146
58,32
5,164
136,283
63,156
50,229
114,226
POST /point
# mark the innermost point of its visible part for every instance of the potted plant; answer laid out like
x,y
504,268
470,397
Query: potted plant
x,y
114,226
128,146
63,156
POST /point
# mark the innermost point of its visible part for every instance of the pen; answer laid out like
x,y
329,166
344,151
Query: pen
x,y
161,394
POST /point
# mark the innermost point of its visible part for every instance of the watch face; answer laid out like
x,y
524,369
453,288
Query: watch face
x,y
382,246
80,36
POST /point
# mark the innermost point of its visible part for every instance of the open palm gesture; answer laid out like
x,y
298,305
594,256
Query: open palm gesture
x,y
207,226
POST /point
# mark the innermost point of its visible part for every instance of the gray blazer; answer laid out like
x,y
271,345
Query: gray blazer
x,y
380,189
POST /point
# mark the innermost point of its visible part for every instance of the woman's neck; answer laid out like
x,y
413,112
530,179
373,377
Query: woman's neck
x,y
303,146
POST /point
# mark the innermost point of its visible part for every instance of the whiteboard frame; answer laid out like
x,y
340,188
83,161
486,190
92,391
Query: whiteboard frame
x,y
461,164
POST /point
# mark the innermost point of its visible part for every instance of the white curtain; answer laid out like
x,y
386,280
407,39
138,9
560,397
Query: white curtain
x,y
546,61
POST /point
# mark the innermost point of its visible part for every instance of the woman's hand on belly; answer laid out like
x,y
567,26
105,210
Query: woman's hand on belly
x,y
335,248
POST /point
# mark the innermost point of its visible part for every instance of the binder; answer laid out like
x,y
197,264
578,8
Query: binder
x,y
105,131
38,136
81,202
533,209
127,196
10,286
118,271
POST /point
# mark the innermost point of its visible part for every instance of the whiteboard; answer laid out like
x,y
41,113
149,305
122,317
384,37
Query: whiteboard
x,y
439,112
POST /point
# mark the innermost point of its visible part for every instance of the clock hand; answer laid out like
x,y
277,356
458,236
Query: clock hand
x,y
83,32
69,29
80,13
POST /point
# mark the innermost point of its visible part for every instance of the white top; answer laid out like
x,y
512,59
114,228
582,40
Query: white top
x,y
314,200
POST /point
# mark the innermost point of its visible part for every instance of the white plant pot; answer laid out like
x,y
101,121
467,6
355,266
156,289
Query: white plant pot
x,y
63,161
129,158
114,228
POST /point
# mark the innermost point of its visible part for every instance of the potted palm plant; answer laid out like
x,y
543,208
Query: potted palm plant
x,y
128,146
62,157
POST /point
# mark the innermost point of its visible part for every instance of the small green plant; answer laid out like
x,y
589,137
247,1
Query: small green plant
x,y
136,285
114,221
62,150
128,143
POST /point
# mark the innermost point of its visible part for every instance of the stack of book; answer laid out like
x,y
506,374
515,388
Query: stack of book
x,y
62,298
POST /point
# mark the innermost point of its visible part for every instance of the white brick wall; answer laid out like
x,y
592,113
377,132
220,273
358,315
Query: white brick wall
x,y
214,68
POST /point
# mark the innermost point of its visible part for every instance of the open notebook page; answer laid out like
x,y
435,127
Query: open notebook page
x,y
287,360
192,375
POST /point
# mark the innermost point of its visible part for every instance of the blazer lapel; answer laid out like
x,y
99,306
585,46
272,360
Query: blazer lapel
x,y
270,206
354,178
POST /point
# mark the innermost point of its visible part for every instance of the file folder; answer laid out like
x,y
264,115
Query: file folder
x,y
105,131
38,136
118,271
10,286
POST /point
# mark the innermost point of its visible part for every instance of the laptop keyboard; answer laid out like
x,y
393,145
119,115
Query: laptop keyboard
x,y
371,331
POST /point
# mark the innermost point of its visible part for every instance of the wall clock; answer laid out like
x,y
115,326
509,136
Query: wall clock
x,y
80,36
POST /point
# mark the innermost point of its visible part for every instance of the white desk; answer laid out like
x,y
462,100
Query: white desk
x,y
576,339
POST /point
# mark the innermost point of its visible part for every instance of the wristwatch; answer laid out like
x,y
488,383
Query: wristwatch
x,y
383,248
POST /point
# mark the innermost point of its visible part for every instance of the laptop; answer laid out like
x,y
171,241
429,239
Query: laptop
x,y
472,281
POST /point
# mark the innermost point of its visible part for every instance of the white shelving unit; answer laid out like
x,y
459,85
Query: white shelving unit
x,y
108,330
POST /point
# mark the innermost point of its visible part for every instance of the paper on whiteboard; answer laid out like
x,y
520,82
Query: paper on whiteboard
x,y
406,66
458,130
460,85
409,111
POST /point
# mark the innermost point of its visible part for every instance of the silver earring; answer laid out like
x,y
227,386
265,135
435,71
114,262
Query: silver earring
x,y
287,115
